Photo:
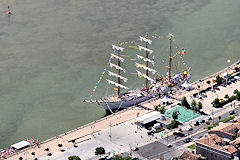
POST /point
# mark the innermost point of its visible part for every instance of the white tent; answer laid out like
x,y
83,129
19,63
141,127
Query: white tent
x,y
149,117
226,75
237,77
21,145
165,99
186,85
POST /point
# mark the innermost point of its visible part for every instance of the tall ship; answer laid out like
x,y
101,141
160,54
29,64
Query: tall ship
x,y
155,84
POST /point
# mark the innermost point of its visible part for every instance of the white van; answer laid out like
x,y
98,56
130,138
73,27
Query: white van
x,y
156,126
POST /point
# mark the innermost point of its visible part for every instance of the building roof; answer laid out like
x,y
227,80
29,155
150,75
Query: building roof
x,y
149,117
236,141
164,119
189,156
20,145
215,141
227,128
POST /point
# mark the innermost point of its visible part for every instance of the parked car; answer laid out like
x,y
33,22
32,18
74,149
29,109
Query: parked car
x,y
135,149
209,118
216,88
195,139
231,112
179,134
169,145
202,121
150,132
135,158
196,123
187,140
189,129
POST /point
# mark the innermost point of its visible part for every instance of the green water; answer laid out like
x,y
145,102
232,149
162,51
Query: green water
x,y
53,52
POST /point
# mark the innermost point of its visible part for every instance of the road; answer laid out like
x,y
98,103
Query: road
x,y
159,148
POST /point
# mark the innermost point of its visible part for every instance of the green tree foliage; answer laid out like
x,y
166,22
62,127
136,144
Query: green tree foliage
x,y
219,79
175,115
156,107
237,94
162,109
208,82
185,103
237,97
99,150
74,158
237,69
193,104
199,106
174,124
216,103
118,157
236,91
226,96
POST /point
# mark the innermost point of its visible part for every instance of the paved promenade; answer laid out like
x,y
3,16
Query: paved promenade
x,y
104,127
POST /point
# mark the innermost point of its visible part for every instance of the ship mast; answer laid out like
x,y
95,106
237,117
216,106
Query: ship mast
x,y
118,68
119,73
146,70
170,57
147,60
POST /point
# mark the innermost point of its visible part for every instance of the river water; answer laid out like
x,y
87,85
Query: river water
x,y
53,52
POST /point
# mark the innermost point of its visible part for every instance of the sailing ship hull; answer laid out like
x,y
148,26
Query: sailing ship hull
x,y
123,104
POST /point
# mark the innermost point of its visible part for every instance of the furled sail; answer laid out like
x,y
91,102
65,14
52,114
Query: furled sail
x,y
145,59
145,40
116,84
117,48
117,67
117,57
145,76
146,68
145,49
118,76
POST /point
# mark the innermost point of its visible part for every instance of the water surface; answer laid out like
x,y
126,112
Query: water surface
x,y
53,52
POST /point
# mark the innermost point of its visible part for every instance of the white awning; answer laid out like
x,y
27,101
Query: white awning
x,y
186,85
149,117
165,99
21,145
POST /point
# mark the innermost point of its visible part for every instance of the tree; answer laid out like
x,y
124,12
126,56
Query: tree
x,y
118,157
60,145
219,79
33,153
174,124
199,105
236,91
226,96
162,109
193,104
237,69
208,82
99,150
74,144
175,115
156,107
74,158
237,97
185,103
216,103
219,118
